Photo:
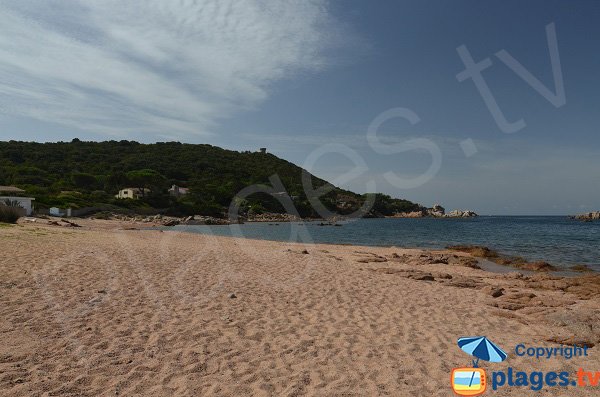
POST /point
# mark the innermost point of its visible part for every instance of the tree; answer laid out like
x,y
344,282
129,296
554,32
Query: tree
x,y
146,179
84,180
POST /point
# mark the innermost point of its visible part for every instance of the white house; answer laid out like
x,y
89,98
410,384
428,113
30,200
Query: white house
x,y
24,202
178,191
131,193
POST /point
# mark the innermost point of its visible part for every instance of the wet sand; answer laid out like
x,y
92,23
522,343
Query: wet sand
x,y
104,311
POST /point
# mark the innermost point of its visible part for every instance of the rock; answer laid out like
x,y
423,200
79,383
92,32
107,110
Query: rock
x,y
413,214
273,217
539,266
581,268
589,216
367,257
232,296
388,270
422,277
305,252
436,211
438,208
464,283
573,341
509,306
469,262
438,259
206,220
494,292
462,214
475,250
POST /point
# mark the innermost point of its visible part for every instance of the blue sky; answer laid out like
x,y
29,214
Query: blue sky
x,y
306,79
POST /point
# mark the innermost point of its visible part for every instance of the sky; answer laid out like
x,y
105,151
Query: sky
x,y
372,96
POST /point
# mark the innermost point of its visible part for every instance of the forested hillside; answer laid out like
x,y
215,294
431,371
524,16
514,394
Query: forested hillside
x,y
84,174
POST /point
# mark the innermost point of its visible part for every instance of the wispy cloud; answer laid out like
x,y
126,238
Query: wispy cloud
x,y
156,66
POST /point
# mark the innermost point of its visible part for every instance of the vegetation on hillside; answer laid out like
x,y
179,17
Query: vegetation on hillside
x,y
81,174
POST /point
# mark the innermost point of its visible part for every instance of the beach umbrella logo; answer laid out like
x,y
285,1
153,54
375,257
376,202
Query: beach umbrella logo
x,y
471,381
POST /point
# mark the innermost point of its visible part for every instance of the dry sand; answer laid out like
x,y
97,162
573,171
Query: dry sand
x,y
103,311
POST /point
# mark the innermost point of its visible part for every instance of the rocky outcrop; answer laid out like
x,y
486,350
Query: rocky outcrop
x,y
589,216
513,261
413,214
197,219
437,211
160,219
273,217
462,214
204,220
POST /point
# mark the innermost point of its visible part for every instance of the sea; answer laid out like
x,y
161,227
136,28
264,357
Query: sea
x,y
558,240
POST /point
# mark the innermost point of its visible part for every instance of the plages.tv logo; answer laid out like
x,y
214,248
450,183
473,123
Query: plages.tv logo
x,y
471,381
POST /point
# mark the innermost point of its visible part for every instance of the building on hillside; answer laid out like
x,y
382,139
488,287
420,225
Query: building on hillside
x,y
263,150
12,198
178,191
132,193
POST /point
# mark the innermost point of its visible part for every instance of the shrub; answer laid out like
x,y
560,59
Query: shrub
x,y
9,214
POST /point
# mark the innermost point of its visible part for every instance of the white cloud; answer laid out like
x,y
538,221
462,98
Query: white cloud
x,y
157,66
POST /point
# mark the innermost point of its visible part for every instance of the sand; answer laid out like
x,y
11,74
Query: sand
x,y
103,311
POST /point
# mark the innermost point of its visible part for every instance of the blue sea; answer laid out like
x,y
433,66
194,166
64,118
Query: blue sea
x,y
555,239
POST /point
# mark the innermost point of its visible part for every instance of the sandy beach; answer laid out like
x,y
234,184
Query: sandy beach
x,y
104,310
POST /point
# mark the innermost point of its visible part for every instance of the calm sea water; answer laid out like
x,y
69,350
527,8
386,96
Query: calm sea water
x,y
555,239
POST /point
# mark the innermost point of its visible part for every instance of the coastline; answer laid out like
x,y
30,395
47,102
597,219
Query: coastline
x,y
101,310
489,237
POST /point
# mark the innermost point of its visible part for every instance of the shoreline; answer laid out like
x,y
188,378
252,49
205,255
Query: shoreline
x,y
515,262
103,310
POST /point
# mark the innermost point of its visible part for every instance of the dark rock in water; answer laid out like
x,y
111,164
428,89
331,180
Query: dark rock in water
x,y
588,217
540,266
581,268
475,250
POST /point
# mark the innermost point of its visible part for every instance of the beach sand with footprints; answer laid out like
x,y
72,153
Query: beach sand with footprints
x,y
107,310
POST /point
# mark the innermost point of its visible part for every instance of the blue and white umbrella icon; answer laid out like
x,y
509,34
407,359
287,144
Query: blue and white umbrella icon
x,y
482,348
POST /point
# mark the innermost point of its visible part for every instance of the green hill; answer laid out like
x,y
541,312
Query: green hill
x,y
89,174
